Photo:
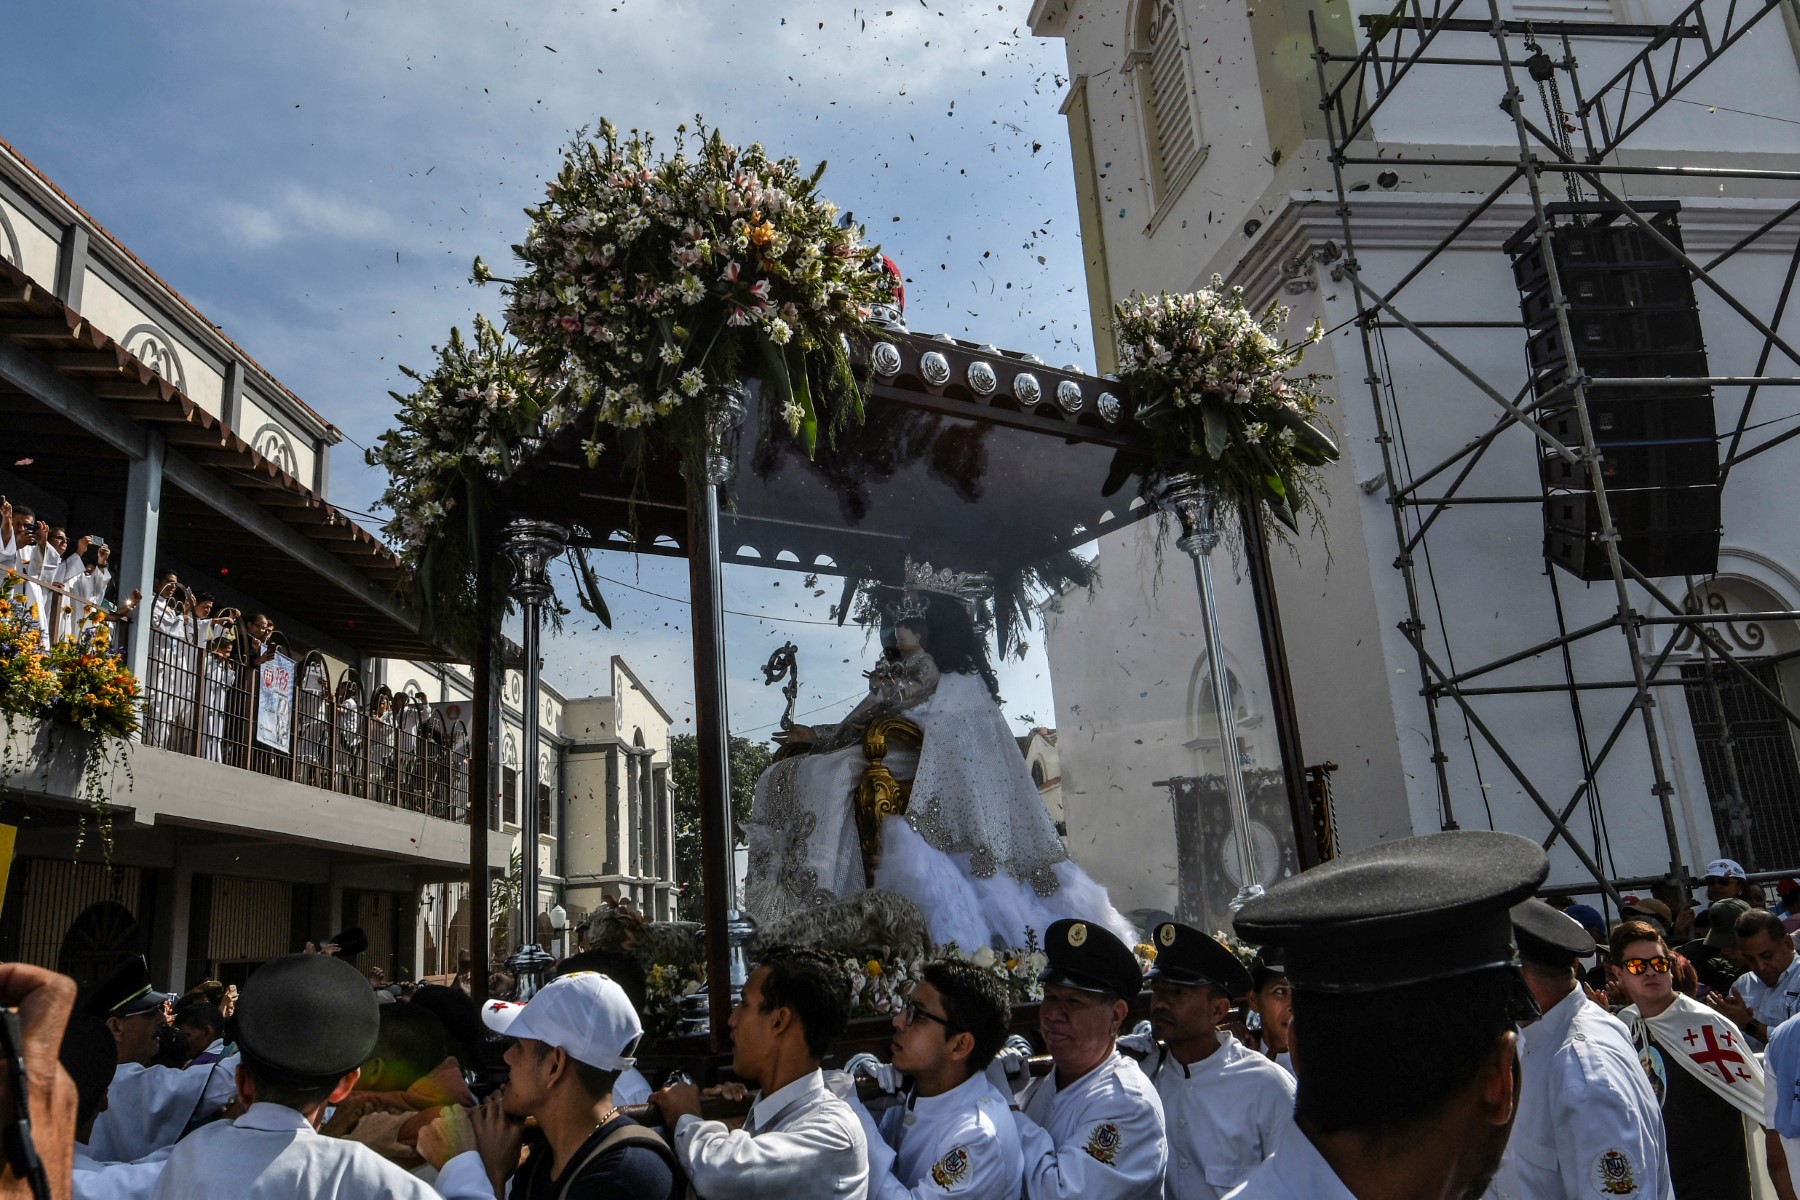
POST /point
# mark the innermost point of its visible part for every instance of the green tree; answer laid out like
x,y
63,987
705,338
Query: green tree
x,y
748,760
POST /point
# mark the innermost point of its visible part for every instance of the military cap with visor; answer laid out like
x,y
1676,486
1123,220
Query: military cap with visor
x,y
309,1016
1547,936
125,991
1084,956
1405,912
1187,957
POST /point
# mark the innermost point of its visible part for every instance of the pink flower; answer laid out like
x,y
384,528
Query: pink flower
x,y
730,274
569,324
760,289
739,316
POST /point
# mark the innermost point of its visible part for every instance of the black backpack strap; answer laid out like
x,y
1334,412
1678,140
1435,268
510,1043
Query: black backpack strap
x,y
632,1134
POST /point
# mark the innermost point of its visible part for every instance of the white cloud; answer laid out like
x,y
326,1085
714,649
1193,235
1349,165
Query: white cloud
x,y
300,212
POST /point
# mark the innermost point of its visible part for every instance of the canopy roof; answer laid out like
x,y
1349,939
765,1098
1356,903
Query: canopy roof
x,y
969,457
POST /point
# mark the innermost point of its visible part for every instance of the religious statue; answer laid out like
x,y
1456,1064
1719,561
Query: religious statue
x,y
975,847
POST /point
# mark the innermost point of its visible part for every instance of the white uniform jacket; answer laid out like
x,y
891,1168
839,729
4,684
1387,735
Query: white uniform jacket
x,y
962,1143
96,1180
272,1153
1770,1004
1099,1139
1222,1114
147,1108
798,1143
1296,1171
1586,1112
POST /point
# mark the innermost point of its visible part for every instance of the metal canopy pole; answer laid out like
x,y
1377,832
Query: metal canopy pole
x,y
711,720
532,545
1195,505
481,758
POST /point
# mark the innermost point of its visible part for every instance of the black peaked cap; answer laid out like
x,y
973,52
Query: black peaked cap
x,y
309,1015
1084,955
1544,932
1405,912
1186,956
125,991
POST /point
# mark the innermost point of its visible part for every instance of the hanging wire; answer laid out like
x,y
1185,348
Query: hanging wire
x,y
1437,601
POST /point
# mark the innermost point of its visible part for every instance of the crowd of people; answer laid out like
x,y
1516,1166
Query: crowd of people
x,y
1426,1028
62,581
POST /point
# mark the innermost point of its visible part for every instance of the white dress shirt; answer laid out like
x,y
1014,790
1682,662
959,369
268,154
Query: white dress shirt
x,y
632,1088
147,1108
799,1142
1221,1113
1296,1171
962,1143
1770,1004
1099,1139
273,1153
96,1180
1583,1098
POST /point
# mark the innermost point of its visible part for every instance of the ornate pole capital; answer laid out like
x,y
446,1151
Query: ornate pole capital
x,y
532,545
1195,505
729,404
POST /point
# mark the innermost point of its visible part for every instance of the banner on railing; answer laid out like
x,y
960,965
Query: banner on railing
x,y
275,703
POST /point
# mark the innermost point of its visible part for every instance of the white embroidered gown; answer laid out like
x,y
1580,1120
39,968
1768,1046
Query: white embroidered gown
x,y
976,849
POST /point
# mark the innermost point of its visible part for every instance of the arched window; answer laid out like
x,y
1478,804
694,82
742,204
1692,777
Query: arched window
x,y
1166,101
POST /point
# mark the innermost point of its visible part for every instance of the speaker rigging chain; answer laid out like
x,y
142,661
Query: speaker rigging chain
x,y
1542,69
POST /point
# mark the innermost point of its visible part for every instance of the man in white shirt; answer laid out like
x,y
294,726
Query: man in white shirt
x,y
149,1107
952,1134
88,1055
1272,1000
1223,1103
800,1141
304,1023
1769,992
1584,1099
1406,989
1093,1127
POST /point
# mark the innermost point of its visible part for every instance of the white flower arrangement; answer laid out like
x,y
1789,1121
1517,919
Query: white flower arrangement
x,y
1218,387
662,277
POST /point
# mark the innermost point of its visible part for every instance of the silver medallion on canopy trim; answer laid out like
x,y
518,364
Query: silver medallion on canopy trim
x,y
1026,388
1068,396
982,380
886,357
935,368
1109,407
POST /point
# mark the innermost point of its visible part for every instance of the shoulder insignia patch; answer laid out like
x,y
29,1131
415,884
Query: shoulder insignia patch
x,y
1103,1143
1613,1176
951,1170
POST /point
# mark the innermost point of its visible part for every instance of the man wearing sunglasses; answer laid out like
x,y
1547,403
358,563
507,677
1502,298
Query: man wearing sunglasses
x,y
1702,1070
953,1134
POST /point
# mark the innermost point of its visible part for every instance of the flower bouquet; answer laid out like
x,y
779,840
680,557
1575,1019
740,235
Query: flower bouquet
x,y
1216,385
650,281
27,685
96,690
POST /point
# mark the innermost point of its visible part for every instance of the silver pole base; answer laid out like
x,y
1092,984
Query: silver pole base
x,y
1247,893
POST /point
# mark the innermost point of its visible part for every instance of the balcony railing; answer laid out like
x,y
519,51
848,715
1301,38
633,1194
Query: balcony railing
x,y
212,691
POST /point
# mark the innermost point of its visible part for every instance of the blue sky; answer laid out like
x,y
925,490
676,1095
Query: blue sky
x,y
317,177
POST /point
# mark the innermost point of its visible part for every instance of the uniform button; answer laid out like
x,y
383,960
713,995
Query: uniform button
x,y
1184,1164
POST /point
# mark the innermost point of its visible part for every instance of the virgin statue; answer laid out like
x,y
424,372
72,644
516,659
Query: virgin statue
x,y
975,849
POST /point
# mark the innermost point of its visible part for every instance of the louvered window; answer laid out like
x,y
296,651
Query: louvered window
x,y
1171,132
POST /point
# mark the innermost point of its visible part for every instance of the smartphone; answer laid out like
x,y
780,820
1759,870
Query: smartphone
x,y
96,541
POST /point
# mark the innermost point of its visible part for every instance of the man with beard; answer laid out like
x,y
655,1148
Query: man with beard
x,y
1223,1103
1406,986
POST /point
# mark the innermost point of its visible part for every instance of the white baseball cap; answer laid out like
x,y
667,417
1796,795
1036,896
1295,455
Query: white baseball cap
x,y
584,1014
1725,868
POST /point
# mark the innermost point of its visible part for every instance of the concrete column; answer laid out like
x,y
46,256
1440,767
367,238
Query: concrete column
x,y
181,881
137,557
231,402
614,844
322,467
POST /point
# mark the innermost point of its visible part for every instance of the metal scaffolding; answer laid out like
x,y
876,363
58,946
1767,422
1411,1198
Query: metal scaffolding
x,y
1584,132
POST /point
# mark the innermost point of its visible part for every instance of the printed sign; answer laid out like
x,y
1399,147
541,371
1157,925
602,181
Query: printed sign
x,y
275,703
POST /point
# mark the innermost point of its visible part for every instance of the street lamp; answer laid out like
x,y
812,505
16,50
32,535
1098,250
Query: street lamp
x,y
532,546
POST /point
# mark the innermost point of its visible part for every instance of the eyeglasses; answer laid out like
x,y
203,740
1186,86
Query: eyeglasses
x,y
1640,966
910,1012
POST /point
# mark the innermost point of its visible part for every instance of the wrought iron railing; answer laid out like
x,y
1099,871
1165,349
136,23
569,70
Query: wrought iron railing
x,y
213,691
